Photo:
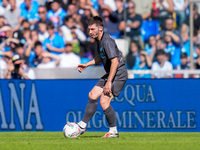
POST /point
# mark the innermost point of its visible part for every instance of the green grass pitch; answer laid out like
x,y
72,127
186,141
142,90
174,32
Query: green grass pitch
x,y
93,141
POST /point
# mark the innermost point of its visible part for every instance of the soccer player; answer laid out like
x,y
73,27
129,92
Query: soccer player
x,y
111,84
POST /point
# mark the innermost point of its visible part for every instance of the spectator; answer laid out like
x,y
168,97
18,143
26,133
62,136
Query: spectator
x,y
173,51
56,14
150,47
161,65
66,28
38,50
12,16
5,6
161,10
18,70
110,22
42,11
69,25
133,24
25,24
175,34
143,8
27,36
184,62
180,7
186,45
79,40
34,36
133,56
145,64
43,33
161,44
54,43
69,59
73,12
76,44
29,12
19,49
49,61
196,21
183,66
120,10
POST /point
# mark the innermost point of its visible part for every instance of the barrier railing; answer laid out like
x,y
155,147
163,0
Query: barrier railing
x,y
185,73
97,72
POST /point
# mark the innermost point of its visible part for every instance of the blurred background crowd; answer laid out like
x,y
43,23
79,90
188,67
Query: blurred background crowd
x,y
53,33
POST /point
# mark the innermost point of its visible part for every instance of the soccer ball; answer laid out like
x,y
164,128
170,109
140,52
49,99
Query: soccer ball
x,y
71,130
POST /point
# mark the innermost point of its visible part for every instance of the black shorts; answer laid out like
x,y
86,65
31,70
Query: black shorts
x,y
117,85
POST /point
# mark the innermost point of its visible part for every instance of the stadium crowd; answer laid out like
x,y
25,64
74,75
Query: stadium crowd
x,y
53,33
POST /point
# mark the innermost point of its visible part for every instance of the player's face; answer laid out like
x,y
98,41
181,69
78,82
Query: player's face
x,y
93,31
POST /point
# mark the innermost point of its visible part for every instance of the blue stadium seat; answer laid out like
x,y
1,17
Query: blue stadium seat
x,y
149,28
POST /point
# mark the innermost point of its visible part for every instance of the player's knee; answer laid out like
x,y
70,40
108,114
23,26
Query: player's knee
x,y
104,103
92,95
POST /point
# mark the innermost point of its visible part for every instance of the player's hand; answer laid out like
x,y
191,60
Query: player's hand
x,y
107,88
81,67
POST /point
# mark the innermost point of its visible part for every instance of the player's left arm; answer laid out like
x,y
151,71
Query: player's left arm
x,y
113,70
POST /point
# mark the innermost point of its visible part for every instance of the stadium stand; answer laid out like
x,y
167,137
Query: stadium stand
x,y
124,20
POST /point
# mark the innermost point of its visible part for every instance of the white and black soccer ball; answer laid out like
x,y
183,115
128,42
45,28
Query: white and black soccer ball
x,y
71,130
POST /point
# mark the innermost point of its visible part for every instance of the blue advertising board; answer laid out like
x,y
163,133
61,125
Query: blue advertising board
x,y
162,105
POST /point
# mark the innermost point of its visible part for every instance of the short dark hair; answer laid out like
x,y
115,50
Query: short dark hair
x,y
183,55
95,20
43,22
38,43
24,20
67,18
25,30
19,45
50,26
160,52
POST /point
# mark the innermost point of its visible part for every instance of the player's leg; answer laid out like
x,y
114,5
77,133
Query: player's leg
x,y
105,100
91,107
110,114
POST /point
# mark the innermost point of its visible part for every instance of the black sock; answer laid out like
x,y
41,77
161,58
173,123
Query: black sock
x,y
90,110
110,116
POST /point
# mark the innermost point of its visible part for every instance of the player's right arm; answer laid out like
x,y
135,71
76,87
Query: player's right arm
x,y
94,61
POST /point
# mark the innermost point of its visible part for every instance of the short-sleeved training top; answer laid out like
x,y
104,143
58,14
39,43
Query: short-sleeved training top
x,y
107,49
